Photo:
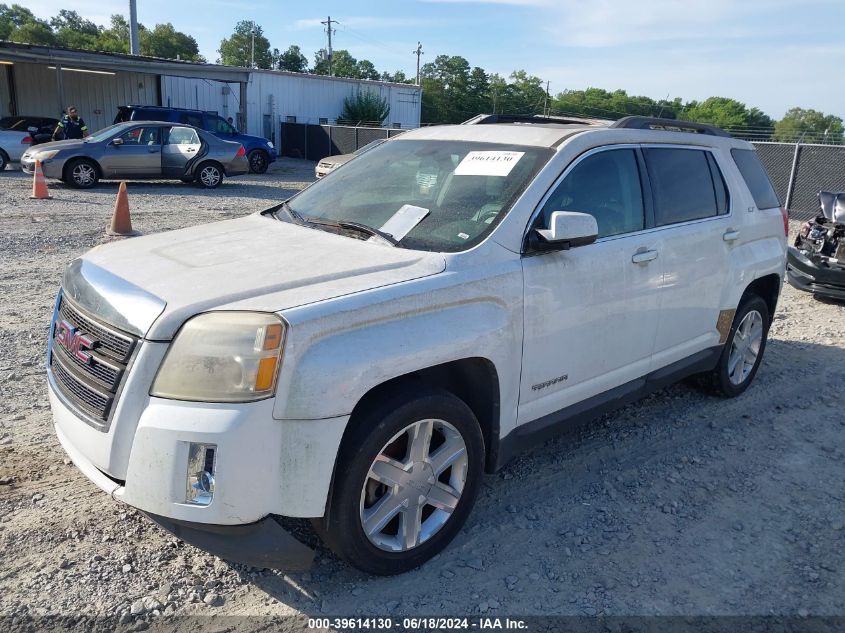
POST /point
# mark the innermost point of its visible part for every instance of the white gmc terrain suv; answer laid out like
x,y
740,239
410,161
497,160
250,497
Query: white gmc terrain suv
x,y
364,352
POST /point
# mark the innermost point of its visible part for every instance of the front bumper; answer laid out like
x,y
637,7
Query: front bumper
x,y
261,544
804,274
49,168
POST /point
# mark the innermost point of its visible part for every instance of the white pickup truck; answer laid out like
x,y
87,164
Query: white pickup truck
x,y
364,352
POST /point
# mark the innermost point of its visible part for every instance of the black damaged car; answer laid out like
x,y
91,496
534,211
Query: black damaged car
x,y
816,262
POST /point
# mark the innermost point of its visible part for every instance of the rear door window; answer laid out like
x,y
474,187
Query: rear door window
x,y
682,182
190,118
756,178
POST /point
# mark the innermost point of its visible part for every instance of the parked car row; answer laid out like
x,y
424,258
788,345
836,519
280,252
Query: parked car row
x,y
18,133
144,142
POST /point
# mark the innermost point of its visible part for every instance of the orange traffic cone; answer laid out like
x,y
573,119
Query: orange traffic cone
x,y
39,184
121,225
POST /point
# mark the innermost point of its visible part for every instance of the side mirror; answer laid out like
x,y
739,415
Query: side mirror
x,y
117,142
567,229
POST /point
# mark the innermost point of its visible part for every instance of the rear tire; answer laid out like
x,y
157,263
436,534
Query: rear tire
x,y
407,477
209,175
259,161
743,351
82,174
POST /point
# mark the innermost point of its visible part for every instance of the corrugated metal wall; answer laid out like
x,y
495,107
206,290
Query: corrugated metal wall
x,y
201,94
96,96
5,96
310,98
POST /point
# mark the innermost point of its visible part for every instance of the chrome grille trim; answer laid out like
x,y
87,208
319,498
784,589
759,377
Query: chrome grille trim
x,y
90,388
115,344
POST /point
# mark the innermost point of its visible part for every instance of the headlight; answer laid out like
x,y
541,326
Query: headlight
x,y
47,155
223,357
270,144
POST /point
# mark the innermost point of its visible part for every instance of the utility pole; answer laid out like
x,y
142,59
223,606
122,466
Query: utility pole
x,y
134,47
546,100
252,56
329,31
418,52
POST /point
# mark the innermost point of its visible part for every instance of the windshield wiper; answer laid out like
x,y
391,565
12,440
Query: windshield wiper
x,y
293,215
363,228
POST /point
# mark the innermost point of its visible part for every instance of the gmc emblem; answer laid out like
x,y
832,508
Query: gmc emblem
x,y
74,341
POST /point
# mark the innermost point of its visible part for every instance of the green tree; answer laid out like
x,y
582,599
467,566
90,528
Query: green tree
x,y
236,50
165,41
816,126
445,94
364,69
115,38
398,77
525,94
343,64
291,60
721,111
364,108
73,31
19,24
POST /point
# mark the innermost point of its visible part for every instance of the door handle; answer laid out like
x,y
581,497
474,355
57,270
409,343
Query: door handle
x,y
641,257
730,235
190,150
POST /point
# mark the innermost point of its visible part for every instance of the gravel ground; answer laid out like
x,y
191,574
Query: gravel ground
x,y
682,504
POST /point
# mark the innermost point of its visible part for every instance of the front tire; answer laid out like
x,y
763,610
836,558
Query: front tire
x,y
407,478
259,161
82,174
743,350
210,175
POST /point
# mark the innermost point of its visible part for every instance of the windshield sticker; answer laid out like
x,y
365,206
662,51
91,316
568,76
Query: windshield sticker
x,y
403,221
488,163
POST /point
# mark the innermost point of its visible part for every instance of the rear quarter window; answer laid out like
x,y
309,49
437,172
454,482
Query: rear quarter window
x,y
756,178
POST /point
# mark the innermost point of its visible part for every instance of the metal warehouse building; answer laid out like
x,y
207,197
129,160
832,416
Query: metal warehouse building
x,y
41,81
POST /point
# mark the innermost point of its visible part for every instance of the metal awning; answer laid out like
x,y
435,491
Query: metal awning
x,y
113,62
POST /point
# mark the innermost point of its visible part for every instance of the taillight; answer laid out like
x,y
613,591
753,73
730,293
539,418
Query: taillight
x,y
785,215
241,151
26,140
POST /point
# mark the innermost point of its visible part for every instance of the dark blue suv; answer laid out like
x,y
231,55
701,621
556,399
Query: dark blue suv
x,y
259,151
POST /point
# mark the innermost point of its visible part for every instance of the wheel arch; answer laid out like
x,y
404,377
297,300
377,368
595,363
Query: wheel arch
x,y
474,380
73,159
767,288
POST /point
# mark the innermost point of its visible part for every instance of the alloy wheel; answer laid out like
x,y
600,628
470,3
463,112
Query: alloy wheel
x,y
210,176
257,163
413,485
745,347
83,174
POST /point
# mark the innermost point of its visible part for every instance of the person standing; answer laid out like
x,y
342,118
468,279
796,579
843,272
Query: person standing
x,y
70,126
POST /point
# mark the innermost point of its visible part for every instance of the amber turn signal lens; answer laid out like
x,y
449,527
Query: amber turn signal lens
x,y
266,374
272,336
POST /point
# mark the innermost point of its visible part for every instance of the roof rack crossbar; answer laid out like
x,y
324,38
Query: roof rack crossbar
x,y
670,125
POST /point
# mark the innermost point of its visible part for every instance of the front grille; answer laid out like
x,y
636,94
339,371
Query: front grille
x,y
89,377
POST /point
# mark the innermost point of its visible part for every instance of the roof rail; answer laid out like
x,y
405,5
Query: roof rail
x,y
483,119
669,125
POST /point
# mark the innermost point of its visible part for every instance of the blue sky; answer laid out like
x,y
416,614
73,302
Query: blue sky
x,y
772,54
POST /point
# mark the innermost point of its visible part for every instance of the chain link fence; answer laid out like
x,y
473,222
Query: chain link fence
x,y
799,171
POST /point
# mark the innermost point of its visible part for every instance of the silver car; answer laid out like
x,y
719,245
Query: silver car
x,y
138,150
330,163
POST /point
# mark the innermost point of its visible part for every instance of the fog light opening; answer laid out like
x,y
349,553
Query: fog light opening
x,y
200,473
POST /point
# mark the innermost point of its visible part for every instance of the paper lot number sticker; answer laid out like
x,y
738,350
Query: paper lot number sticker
x,y
488,163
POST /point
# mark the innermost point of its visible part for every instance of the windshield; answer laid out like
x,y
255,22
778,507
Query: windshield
x,y
105,133
429,195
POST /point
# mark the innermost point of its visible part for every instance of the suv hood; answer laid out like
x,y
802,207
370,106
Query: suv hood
x,y
155,283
